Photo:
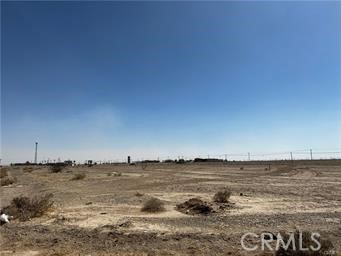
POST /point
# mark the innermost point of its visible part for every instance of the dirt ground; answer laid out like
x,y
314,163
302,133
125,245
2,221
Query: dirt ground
x,y
101,214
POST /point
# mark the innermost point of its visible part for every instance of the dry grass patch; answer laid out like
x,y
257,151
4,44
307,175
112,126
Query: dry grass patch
x,y
194,206
117,174
144,165
222,196
78,176
24,208
8,180
56,168
3,172
153,205
28,169
138,194
5,178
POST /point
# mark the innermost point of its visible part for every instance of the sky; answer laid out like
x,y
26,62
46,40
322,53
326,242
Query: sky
x,y
103,80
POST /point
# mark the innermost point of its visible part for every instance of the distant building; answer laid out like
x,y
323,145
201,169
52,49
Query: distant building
x,y
68,162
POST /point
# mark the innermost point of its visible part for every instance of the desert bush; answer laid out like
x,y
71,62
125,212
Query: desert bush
x,y
117,174
327,248
3,172
285,168
28,169
241,168
7,180
222,196
138,194
24,208
194,206
153,205
144,165
56,168
78,176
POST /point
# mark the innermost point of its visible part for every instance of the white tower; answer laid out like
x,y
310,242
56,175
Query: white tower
x,y
36,153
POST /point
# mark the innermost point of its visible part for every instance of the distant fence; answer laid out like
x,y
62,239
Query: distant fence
x,y
307,154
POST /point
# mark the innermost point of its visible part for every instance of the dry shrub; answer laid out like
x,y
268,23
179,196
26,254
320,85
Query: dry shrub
x,y
28,169
24,208
117,174
194,206
222,196
56,168
125,224
153,205
285,168
138,194
327,248
144,165
78,176
3,172
7,180
241,168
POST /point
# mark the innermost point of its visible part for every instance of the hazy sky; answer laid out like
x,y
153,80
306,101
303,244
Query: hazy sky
x,y
103,80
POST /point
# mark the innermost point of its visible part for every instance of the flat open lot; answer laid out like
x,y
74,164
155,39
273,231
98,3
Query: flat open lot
x,y
101,214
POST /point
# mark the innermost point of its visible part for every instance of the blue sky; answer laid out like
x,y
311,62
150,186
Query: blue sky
x,y
101,80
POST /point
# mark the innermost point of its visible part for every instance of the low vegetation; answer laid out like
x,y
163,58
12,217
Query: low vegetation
x,y
222,196
144,165
78,176
28,169
56,168
153,205
3,172
138,194
7,180
194,206
285,168
24,208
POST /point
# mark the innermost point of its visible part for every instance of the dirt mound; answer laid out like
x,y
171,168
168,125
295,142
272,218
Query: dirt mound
x,y
194,206
298,172
304,173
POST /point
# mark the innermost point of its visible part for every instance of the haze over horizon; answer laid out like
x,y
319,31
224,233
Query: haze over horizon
x,y
103,80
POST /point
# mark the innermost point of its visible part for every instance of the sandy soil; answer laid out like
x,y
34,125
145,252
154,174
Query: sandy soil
x,y
100,215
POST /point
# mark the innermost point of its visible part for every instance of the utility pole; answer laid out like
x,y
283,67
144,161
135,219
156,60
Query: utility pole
x,y
291,156
311,154
249,156
36,153
225,157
